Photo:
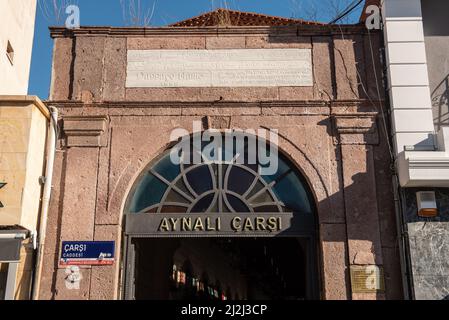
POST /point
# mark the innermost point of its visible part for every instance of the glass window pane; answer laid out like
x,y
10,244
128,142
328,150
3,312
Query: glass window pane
x,y
259,186
203,204
291,192
181,185
262,198
237,204
148,193
282,169
271,208
173,196
200,179
167,169
239,180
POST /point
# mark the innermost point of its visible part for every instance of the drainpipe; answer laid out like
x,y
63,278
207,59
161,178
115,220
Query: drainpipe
x,y
51,149
402,234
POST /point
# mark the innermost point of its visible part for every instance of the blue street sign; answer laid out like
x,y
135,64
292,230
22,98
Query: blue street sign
x,y
87,253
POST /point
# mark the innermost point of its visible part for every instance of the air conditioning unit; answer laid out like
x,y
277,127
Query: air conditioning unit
x,y
427,204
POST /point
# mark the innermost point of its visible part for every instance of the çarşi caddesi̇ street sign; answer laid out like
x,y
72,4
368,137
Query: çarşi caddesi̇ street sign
x,y
94,253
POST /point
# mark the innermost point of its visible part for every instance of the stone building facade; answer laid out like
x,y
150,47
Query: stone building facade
x,y
332,130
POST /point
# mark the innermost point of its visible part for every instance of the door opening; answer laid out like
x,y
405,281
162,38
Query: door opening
x,y
222,269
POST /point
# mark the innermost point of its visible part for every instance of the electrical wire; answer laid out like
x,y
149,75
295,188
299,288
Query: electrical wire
x,y
351,7
360,81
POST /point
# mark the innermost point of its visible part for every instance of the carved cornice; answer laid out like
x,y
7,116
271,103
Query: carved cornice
x,y
85,131
338,106
360,128
300,30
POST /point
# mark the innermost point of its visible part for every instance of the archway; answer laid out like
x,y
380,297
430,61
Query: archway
x,y
258,224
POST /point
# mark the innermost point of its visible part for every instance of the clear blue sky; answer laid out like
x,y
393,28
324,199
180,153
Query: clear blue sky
x,y
110,13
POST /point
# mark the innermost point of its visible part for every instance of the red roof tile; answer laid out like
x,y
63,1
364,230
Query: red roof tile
x,y
226,17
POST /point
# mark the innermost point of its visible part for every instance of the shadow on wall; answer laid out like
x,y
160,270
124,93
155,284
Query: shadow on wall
x,y
440,103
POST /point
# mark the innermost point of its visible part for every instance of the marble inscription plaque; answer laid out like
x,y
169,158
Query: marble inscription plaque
x,y
219,68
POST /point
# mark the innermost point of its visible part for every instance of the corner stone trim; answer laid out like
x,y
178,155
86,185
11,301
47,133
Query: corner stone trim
x,y
86,131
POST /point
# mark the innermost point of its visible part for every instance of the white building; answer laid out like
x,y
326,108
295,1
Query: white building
x,y
16,42
24,123
417,62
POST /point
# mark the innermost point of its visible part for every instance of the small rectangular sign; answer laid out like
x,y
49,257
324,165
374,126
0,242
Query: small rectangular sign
x,y
367,279
87,253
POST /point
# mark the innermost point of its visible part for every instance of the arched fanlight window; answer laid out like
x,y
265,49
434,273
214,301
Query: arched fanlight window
x,y
219,187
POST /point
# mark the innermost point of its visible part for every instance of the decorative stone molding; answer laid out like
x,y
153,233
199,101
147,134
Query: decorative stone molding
x,y
218,122
86,131
356,129
303,30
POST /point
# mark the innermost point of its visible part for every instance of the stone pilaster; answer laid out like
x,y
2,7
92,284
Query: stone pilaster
x,y
356,136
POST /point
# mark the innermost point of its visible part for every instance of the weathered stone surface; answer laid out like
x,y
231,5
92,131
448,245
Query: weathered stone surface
x,y
219,122
255,42
86,131
61,82
63,293
361,207
356,129
372,47
163,94
225,42
148,43
53,236
295,93
79,194
103,283
360,65
323,68
345,68
335,268
102,216
89,66
104,279
297,110
114,76
384,189
248,94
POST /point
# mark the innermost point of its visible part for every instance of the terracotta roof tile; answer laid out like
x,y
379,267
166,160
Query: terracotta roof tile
x,y
226,17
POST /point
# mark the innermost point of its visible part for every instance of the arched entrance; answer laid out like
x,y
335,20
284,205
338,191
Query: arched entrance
x,y
221,227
